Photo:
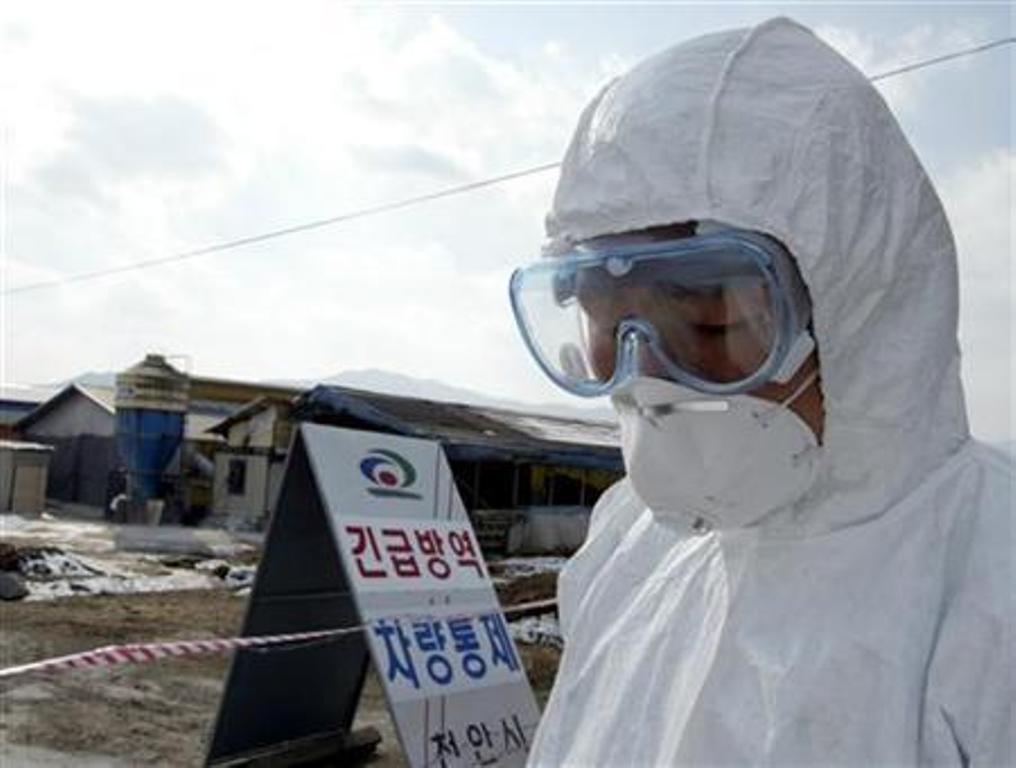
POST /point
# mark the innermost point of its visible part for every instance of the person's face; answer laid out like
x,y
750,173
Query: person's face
x,y
721,331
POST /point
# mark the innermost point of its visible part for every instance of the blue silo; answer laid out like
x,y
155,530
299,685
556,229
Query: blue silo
x,y
151,407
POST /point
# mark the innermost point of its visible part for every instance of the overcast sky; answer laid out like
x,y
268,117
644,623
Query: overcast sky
x,y
135,130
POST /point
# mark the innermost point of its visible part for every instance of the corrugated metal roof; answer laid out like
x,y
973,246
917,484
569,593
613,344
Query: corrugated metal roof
x,y
469,431
561,430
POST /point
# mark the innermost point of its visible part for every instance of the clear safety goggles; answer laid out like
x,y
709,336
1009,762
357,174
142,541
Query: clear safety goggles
x,y
722,313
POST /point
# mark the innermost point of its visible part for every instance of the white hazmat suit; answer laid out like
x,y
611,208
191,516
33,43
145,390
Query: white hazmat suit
x,y
871,622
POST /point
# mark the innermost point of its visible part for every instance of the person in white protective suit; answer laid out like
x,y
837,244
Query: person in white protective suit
x,y
798,568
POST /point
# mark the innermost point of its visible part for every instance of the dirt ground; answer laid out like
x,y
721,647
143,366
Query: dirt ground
x,y
152,714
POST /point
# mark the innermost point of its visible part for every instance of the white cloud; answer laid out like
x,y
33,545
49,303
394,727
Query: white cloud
x,y
132,146
978,199
875,54
281,115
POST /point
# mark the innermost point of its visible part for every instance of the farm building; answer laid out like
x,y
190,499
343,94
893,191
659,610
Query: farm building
x,y
531,476
166,446
78,423
88,468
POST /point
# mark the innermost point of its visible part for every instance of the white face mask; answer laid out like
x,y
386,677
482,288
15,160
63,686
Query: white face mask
x,y
727,461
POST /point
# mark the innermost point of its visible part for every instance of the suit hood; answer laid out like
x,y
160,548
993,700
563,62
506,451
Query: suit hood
x,y
770,129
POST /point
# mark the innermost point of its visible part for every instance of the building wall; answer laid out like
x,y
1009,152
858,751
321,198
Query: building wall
x,y
10,412
23,481
548,530
77,415
82,434
240,502
508,485
282,428
255,432
276,469
28,492
267,428
82,469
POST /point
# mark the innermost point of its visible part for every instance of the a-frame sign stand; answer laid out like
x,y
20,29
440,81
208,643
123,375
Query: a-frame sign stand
x,y
369,532
306,693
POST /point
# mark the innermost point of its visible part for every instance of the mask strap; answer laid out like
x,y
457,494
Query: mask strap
x,y
788,401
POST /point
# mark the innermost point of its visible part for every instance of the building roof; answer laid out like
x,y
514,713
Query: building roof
x,y
105,397
17,401
19,445
197,426
249,410
27,395
101,396
201,414
467,431
237,392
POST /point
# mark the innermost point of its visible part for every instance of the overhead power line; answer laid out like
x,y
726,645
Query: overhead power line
x,y
409,201
271,235
939,59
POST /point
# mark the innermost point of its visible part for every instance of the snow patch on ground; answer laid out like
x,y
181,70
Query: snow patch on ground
x,y
104,537
66,558
81,536
511,568
52,563
537,630
240,577
119,584
213,566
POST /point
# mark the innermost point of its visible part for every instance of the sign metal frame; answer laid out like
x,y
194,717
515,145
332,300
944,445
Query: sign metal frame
x,y
310,578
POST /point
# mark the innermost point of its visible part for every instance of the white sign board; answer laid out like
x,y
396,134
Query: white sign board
x,y
453,678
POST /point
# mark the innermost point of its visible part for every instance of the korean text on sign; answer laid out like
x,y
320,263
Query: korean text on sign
x,y
389,554
434,656
480,743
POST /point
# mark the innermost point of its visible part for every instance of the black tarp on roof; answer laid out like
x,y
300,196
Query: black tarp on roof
x,y
468,432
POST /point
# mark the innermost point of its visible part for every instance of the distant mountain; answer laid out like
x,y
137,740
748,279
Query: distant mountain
x,y
392,383
105,379
94,379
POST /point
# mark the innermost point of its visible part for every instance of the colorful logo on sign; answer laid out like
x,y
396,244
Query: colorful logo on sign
x,y
390,474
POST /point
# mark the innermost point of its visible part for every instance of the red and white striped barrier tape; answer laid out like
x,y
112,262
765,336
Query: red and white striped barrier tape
x,y
142,653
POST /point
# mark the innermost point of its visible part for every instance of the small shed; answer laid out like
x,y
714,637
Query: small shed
x,y
78,422
23,470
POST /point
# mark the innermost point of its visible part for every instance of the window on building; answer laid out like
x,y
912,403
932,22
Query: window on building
x,y
567,491
497,483
236,477
524,486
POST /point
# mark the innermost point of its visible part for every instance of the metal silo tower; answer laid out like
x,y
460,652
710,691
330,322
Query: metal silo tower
x,y
151,407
